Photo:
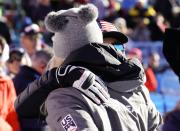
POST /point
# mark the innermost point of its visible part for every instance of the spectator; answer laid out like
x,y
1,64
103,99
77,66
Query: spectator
x,y
150,70
121,26
31,41
25,76
135,52
14,62
141,31
172,119
170,10
8,117
154,62
140,11
151,81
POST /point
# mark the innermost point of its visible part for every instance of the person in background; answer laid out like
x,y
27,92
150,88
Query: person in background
x,y
150,71
113,36
14,62
151,81
8,117
138,12
141,28
172,119
121,26
30,39
25,76
135,52
154,63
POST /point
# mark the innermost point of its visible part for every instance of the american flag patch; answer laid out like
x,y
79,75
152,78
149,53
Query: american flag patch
x,y
68,123
107,26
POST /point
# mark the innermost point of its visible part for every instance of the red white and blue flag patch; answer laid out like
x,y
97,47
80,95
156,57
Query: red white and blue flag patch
x,y
107,26
68,123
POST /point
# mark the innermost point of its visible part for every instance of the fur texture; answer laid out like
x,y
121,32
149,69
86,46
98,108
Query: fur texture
x,y
88,13
56,21
73,29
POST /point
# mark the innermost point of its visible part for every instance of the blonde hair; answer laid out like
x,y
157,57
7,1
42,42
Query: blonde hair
x,y
4,56
54,62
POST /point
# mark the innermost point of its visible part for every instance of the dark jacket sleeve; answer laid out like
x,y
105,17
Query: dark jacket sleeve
x,y
28,103
171,49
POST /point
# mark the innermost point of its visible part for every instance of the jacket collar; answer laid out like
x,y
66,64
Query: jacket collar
x,y
105,61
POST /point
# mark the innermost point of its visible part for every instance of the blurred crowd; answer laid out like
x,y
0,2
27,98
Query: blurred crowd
x,y
25,44
132,17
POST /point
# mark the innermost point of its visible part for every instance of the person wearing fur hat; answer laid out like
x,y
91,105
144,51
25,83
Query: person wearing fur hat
x,y
94,87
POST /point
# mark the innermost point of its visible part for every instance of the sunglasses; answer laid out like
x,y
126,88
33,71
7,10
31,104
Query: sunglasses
x,y
120,47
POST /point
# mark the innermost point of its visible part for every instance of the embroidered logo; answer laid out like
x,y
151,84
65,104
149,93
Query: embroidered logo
x,y
68,123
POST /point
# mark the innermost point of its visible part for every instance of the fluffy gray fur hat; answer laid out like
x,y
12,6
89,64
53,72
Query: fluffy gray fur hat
x,y
73,28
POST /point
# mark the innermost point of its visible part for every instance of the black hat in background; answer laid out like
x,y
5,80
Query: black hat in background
x,y
109,30
171,48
